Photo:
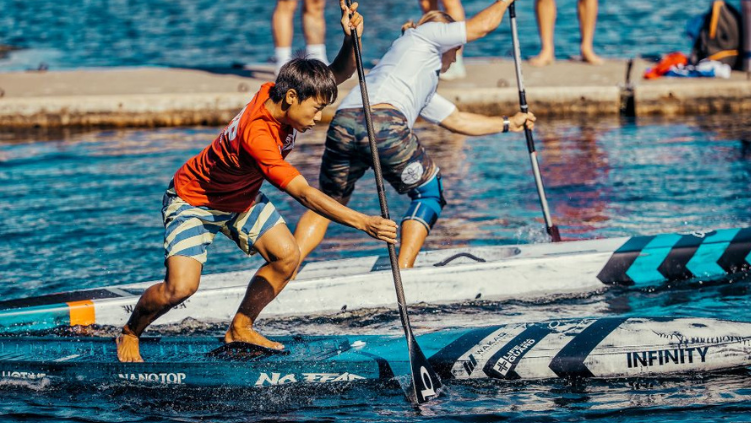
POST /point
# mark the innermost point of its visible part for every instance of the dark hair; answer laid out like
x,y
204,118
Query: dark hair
x,y
308,77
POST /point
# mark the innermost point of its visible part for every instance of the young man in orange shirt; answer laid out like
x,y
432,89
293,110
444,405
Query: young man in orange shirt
x,y
219,191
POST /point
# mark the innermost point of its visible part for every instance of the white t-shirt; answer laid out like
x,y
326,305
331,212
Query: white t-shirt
x,y
407,75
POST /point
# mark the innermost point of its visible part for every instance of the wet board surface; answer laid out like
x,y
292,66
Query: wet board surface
x,y
572,348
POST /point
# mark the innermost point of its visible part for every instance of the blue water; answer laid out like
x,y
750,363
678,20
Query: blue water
x,y
208,33
82,210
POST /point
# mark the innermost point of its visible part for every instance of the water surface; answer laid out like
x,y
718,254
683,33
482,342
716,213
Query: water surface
x,y
83,210
205,33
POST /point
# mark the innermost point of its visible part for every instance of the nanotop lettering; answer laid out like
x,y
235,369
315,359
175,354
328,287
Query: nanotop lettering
x,y
13,374
163,378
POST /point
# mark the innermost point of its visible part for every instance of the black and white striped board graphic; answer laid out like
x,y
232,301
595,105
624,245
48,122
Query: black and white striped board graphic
x,y
597,348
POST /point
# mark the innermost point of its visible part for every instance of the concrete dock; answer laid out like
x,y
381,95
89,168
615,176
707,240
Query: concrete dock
x,y
149,97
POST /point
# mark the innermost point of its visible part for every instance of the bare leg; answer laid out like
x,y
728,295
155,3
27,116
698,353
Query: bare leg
x,y
313,22
283,30
311,229
282,254
546,14
281,22
454,9
314,28
413,236
587,20
183,277
310,232
428,5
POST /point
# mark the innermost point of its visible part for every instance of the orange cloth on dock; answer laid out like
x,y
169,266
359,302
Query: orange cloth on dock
x,y
667,62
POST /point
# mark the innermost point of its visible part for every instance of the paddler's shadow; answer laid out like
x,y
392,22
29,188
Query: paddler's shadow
x,y
573,391
676,295
619,304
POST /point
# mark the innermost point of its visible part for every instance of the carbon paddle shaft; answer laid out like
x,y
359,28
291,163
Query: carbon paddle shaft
x,y
549,226
425,383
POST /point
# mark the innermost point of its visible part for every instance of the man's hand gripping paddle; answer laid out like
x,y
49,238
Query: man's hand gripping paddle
x,y
425,383
549,226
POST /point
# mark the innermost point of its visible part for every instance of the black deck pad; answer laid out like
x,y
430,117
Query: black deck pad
x,y
243,351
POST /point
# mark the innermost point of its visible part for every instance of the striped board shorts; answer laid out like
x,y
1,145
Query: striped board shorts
x,y
404,162
189,230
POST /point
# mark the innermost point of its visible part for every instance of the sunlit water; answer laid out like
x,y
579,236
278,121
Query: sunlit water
x,y
83,211
208,33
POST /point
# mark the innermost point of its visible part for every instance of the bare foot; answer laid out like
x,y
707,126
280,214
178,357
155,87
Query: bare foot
x,y
127,348
235,334
591,58
541,60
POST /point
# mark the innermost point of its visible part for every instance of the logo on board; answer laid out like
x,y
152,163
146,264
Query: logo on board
x,y
479,351
666,356
162,378
506,362
13,374
281,379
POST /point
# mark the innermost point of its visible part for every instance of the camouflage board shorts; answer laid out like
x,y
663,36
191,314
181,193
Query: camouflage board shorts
x,y
404,162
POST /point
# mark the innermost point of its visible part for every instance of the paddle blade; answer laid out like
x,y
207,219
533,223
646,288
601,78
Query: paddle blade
x,y
554,234
425,384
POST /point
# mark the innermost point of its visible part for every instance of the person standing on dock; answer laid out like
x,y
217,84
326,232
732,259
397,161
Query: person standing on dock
x,y
219,191
313,27
454,9
401,87
546,14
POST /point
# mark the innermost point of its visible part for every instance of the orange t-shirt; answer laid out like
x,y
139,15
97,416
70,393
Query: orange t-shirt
x,y
228,174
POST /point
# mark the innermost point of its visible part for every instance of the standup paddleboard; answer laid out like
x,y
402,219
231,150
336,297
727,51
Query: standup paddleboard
x,y
519,272
577,348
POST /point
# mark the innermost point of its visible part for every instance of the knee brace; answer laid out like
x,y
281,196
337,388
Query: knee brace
x,y
427,202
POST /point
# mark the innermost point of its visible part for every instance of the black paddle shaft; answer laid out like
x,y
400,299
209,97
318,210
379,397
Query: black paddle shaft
x,y
549,226
425,382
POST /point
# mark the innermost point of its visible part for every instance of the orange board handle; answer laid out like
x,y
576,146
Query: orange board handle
x,y
82,313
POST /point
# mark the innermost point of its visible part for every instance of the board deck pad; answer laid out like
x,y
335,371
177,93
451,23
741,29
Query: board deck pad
x,y
243,351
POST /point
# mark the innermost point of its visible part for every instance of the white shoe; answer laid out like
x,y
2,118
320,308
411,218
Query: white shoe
x,y
283,55
318,52
456,71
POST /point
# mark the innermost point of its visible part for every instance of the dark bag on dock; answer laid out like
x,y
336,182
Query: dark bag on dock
x,y
720,37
